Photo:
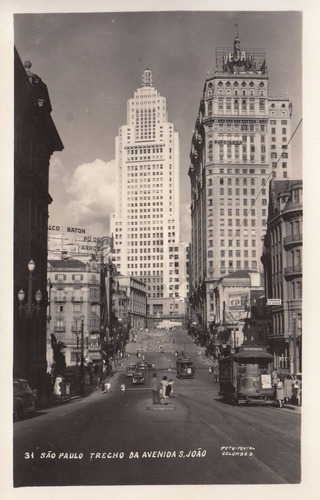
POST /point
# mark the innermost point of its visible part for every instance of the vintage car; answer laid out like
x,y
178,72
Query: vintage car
x,y
130,369
137,378
141,366
25,400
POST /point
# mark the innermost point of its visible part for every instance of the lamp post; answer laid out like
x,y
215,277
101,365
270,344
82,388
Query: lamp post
x,y
82,355
28,307
294,319
49,286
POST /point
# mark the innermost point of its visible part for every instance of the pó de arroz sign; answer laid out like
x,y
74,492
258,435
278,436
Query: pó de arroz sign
x,y
73,239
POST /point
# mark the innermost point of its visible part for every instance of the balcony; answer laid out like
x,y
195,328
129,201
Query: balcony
x,y
59,328
77,300
290,272
59,299
95,300
292,240
94,280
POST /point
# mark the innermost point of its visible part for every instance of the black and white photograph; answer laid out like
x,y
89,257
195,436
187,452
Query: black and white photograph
x,y
155,270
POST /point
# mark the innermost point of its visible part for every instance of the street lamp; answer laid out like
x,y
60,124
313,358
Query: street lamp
x,y
82,355
28,328
49,286
294,319
29,306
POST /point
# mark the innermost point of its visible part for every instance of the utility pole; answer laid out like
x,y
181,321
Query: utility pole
x,y
294,343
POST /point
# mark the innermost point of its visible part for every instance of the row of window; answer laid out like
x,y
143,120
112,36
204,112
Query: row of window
x,y
238,264
230,192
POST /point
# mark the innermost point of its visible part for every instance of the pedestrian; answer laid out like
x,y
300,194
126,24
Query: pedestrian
x,y
103,387
169,388
107,388
275,378
280,393
216,373
163,390
297,390
122,389
287,387
155,389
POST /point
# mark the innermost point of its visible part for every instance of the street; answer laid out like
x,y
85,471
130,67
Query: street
x,y
115,439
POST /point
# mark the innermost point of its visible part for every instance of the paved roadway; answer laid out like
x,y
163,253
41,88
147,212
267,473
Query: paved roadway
x,y
197,439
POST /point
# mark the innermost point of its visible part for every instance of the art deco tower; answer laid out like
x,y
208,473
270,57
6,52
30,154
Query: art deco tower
x,y
239,144
145,224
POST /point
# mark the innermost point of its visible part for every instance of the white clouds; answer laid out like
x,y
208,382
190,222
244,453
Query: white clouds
x,y
85,197
92,189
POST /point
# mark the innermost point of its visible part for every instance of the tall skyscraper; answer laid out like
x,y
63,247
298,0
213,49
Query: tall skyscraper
x,y
239,144
145,225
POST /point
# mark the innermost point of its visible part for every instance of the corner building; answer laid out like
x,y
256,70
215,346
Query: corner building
x,y
282,261
145,225
239,143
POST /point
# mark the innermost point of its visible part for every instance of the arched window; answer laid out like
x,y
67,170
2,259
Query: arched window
x,y
229,182
210,182
237,182
252,182
221,181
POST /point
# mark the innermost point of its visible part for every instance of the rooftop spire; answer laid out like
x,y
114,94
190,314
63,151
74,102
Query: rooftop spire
x,y
147,78
236,41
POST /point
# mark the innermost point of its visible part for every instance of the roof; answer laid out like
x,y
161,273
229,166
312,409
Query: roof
x,y
252,354
281,188
240,278
67,264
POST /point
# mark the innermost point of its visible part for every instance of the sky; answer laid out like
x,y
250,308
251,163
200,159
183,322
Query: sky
x,y
92,63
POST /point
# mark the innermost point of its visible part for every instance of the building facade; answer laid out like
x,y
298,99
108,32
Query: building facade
x,y
35,140
74,304
239,143
233,296
146,226
136,292
282,261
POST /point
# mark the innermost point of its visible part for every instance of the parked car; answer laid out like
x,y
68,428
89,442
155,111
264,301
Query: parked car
x,y
25,400
141,365
130,369
137,378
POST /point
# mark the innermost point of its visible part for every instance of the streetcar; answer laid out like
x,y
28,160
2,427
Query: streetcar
x,y
185,368
245,377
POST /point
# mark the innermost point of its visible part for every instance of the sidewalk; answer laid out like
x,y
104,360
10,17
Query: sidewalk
x,y
56,400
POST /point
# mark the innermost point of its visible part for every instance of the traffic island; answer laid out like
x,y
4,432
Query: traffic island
x,y
159,407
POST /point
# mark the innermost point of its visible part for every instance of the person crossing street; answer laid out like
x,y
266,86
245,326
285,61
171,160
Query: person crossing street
x,y
155,387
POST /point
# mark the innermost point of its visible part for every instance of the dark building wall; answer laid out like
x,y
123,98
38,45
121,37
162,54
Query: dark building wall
x,y
35,139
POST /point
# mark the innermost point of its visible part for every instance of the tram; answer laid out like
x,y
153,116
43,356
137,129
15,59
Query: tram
x,y
185,368
245,377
